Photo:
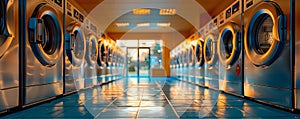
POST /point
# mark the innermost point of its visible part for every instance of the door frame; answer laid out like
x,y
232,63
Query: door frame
x,y
138,60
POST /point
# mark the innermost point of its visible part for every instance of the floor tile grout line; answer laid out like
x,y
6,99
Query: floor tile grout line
x,y
110,104
139,109
172,107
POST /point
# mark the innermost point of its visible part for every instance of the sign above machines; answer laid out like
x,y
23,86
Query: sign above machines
x,y
74,13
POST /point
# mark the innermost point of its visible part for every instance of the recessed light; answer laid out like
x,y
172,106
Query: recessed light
x,y
167,11
122,24
142,24
164,24
141,11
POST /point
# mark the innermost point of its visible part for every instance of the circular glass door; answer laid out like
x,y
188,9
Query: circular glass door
x,y
5,36
199,54
75,45
229,44
45,35
92,50
266,35
210,50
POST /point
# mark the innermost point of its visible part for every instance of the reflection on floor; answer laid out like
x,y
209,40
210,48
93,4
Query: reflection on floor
x,y
151,98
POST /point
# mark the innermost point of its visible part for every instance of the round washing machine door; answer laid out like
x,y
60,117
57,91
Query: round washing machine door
x,y
5,35
265,34
101,54
199,54
45,35
210,54
92,50
75,44
191,56
229,44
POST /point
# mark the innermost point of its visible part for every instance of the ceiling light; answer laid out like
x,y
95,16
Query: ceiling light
x,y
141,11
122,24
167,11
142,24
164,24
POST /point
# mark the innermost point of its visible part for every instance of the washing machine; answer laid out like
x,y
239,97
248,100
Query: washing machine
x,y
191,62
297,51
44,51
90,71
268,75
211,56
200,63
108,73
230,50
172,64
101,60
75,49
9,54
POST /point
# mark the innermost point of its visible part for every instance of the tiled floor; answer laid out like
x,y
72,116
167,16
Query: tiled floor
x,y
151,98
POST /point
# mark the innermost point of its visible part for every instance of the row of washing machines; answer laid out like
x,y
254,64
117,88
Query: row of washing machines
x,y
251,49
49,48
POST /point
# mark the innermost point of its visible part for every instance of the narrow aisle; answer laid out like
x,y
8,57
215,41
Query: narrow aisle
x,y
151,98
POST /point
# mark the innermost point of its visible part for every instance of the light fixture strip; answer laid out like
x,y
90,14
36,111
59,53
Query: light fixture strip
x,y
164,24
122,24
142,24
141,11
167,11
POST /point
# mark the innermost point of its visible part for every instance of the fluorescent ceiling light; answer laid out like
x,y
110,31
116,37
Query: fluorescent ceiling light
x,y
167,11
164,24
142,24
122,24
141,11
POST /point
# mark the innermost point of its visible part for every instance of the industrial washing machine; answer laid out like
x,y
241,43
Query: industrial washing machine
x,y
297,51
199,55
101,60
90,71
230,50
9,54
75,48
211,56
191,62
268,75
44,51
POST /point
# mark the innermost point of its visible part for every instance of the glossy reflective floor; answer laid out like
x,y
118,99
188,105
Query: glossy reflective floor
x,y
151,98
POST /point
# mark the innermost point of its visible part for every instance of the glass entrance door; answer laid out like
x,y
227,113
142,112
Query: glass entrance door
x,y
138,61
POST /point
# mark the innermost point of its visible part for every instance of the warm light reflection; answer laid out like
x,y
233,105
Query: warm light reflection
x,y
164,24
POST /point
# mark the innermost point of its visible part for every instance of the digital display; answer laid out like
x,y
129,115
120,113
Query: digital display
x,y
228,13
76,14
58,2
81,17
216,21
236,7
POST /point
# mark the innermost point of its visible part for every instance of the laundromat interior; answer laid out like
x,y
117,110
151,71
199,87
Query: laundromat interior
x,y
163,59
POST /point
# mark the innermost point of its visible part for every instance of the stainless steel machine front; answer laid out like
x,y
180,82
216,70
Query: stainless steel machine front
x,y
9,54
230,50
268,51
44,77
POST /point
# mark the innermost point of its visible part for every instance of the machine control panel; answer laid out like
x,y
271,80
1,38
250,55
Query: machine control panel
x,y
74,13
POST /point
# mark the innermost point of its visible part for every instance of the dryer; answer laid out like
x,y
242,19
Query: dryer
x,y
200,63
268,75
75,48
230,50
44,51
211,56
90,55
9,54
297,51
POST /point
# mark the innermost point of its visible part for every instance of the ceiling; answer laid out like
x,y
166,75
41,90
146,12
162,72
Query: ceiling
x,y
190,14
